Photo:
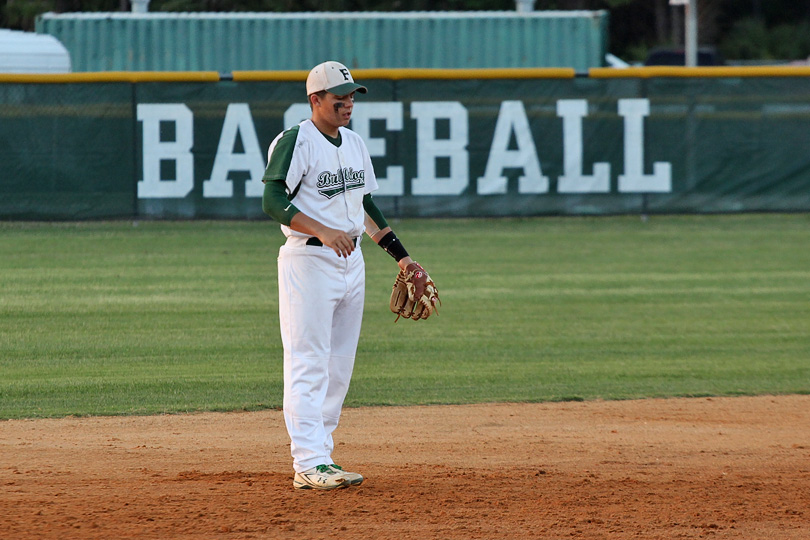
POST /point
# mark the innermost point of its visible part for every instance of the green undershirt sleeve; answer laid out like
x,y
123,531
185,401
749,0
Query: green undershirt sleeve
x,y
373,211
275,203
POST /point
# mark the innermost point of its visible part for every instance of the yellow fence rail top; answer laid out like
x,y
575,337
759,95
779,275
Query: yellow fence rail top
x,y
112,76
402,74
705,71
646,72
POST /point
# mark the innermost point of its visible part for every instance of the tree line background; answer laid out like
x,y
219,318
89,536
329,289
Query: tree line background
x,y
755,30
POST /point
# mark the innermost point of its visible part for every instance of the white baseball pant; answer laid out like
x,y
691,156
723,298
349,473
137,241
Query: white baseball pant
x,y
321,298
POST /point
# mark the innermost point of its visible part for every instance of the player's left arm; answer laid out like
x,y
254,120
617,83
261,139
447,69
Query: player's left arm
x,y
378,230
414,295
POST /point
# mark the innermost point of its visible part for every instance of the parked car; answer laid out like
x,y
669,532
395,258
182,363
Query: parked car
x,y
27,52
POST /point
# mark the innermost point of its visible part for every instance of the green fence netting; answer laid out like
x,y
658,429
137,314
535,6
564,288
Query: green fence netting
x,y
441,147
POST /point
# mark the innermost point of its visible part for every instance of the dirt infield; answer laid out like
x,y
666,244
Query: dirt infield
x,y
680,468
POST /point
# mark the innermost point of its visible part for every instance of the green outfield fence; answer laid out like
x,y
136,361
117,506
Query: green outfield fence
x,y
492,142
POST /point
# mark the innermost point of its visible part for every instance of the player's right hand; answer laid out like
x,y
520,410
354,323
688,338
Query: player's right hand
x,y
340,242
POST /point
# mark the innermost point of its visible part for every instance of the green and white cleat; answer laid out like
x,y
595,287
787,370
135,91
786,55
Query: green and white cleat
x,y
321,477
355,479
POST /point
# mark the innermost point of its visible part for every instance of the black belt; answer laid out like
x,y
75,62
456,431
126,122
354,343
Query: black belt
x,y
315,241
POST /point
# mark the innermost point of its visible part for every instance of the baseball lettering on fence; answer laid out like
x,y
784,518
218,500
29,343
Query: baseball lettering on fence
x,y
512,147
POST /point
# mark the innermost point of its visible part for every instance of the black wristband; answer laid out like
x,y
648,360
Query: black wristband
x,y
391,244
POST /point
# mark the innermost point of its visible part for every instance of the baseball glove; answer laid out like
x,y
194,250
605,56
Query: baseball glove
x,y
414,295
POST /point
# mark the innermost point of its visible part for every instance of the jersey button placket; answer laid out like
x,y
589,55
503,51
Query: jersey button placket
x,y
342,172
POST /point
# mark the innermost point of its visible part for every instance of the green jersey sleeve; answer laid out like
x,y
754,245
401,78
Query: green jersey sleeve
x,y
275,200
281,156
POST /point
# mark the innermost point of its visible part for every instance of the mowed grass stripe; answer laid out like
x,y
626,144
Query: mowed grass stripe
x,y
154,317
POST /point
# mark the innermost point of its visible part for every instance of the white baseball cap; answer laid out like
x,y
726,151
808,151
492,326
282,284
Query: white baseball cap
x,y
333,77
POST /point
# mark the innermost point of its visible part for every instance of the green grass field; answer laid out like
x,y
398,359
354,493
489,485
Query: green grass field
x,y
154,317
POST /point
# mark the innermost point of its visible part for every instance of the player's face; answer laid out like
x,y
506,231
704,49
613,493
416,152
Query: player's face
x,y
336,110
342,105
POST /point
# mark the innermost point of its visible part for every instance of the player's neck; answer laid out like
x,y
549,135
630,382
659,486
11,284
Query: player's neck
x,y
326,128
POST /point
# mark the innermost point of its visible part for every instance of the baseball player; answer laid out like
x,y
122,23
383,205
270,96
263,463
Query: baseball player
x,y
318,185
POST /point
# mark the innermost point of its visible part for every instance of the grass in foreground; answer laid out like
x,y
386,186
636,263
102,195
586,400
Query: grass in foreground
x,y
123,318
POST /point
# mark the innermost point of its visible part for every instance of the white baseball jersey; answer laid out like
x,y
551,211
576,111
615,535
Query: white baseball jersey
x,y
325,181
